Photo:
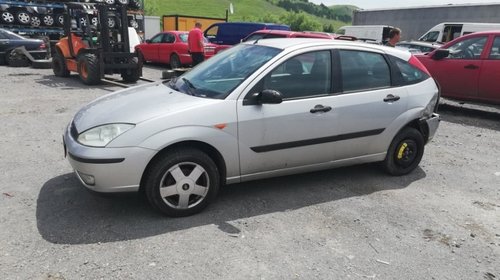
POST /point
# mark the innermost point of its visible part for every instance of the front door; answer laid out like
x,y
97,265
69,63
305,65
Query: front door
x,y
489,87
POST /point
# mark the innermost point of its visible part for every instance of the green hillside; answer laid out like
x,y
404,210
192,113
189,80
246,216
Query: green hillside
x,y
244,10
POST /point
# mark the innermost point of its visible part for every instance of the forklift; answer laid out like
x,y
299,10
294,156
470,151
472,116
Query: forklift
x,y
96,43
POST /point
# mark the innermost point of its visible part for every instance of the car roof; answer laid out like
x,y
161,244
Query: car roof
x,y
297,43
290,33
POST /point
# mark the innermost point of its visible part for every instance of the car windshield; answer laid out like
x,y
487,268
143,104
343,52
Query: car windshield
x,y
218,76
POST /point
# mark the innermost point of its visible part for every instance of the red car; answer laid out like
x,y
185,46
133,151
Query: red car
x,y
171,47
468,67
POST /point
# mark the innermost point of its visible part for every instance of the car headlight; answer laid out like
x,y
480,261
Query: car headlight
x,y
100,136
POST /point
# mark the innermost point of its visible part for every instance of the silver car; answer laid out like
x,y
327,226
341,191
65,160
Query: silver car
x,y
257,110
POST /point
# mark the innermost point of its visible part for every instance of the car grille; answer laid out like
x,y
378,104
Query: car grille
x,y
73,131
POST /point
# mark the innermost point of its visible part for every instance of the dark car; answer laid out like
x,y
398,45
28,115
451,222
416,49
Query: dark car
x,y
467,68
10,41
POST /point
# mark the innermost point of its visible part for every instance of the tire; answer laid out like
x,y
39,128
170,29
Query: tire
x,y
42,64
123,2
109,2
175,61
131,75
48,20
35,21
88,69
23,17
8,17
59,66
112,22
184,196
15,59
405,152
60,20
133,23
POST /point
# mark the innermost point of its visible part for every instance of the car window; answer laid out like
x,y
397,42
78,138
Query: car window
x,y
168,38
157,38
363,70
495,49
219,75
184,37
408,74
301,76
430,37
470,48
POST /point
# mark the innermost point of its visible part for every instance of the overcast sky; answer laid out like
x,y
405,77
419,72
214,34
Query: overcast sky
x,y
371,4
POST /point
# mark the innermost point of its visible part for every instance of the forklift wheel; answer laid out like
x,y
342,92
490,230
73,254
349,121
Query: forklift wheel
x,y
132,75
88,69
59,66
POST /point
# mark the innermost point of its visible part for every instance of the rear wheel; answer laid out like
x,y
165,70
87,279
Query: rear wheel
x,y
59,66
182,183
175,61
405,152
88,69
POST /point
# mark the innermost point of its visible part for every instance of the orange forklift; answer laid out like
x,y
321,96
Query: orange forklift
x,y
96,43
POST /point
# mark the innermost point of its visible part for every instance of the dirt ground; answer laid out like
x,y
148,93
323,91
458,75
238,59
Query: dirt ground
x,y
440,222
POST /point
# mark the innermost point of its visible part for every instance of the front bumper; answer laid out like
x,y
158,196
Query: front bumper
x,y
432,124
112,169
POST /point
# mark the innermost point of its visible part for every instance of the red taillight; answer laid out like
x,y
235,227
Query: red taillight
x,y
42,46
416,63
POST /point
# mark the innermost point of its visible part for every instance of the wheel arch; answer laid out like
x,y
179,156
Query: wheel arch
x,y
211,151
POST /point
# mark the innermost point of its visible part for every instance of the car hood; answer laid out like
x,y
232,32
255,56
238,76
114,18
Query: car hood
x,y
134,105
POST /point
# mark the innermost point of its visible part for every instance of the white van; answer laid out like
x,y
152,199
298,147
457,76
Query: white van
x,y
378,33
447,31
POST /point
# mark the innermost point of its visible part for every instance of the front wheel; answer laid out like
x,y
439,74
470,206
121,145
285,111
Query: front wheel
x,y
132,75
59,66
405,152
182,183
88,69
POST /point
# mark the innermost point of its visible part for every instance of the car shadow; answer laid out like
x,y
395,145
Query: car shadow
x,y
487,119
73,83
67,213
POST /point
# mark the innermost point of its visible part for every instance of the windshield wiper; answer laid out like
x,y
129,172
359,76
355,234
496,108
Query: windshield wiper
x,y
191,87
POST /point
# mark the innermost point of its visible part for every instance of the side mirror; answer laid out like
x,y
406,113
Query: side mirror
x,y
440,54
148,41
267,96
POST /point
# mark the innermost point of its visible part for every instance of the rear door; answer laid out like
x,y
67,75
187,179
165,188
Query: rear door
x,y
489,78
166,47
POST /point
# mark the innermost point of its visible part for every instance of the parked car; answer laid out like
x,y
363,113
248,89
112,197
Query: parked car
x,y
171,47
269,34
447,31
231,33
468,68
257,110
10,40
417,46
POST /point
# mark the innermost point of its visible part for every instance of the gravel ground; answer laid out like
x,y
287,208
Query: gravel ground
x,y
440,222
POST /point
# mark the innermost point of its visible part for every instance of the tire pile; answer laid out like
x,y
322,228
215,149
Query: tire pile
x,y
42,16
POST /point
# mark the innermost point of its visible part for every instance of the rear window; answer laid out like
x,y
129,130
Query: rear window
x,y
408,74
363,70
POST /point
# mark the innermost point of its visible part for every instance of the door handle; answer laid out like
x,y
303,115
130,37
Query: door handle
x,y
391,98
320,108
471,66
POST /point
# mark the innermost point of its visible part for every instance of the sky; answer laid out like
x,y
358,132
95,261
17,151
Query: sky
x,y
372,4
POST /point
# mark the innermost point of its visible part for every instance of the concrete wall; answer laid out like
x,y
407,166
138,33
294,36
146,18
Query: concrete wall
x,y
414,22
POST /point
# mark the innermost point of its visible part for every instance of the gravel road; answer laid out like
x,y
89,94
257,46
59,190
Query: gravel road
x,y
440,222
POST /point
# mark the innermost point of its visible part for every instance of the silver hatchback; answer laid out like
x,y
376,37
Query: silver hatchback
x,y
260,109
